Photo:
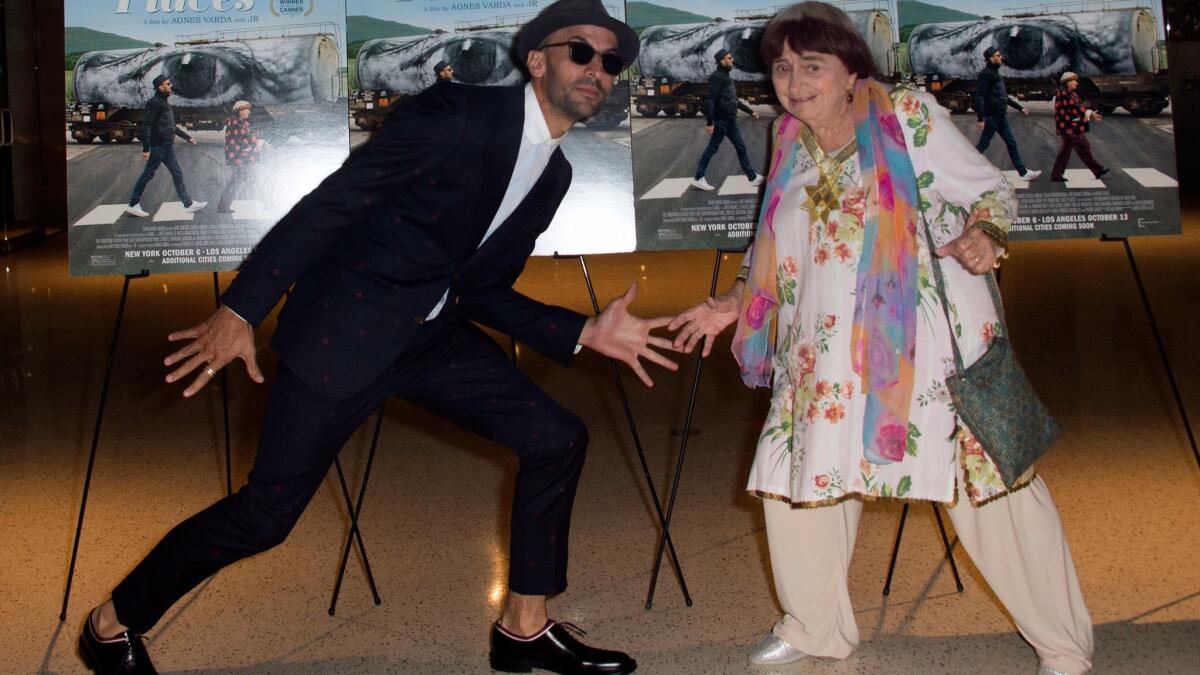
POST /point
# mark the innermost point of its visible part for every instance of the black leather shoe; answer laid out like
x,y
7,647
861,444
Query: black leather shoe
x,y
553,649
124,654
1102,172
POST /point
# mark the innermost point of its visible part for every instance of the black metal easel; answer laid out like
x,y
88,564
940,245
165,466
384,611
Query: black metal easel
x,y
663,520
87,482
684,434
112,355
355,511
887,585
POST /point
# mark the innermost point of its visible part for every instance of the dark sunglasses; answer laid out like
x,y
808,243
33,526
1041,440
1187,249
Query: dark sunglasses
x,y
582,54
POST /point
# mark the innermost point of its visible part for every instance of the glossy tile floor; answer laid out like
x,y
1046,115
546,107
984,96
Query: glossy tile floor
x,y
435,516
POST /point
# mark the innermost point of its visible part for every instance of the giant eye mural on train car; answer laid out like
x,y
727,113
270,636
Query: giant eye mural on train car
x,y
1110,42
265,71
405,65
685,52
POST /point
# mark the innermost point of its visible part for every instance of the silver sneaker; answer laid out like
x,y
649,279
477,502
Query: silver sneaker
x,y
136,210
702,184
195,206
773,651
1044,669
756,181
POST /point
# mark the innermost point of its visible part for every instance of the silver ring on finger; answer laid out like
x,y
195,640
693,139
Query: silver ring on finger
x,y
210,371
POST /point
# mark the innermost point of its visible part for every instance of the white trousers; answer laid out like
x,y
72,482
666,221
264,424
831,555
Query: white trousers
x,y
1016,541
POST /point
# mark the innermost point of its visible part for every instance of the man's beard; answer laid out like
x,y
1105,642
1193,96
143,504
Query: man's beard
x,y
577,108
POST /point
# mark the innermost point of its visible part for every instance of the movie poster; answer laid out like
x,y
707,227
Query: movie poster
x,y
1116,49
168,176
397,49
679,39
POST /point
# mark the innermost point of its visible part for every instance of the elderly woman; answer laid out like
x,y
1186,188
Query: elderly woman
x,y
242,147
1071,121
838,312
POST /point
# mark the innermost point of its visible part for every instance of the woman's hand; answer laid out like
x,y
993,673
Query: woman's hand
x,y
973,249
707,320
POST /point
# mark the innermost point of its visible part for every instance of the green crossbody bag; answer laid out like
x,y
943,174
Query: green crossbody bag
x,y
994,398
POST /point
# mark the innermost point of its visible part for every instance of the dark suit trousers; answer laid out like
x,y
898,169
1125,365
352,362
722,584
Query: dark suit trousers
x,y
1082,147
450,368
998,124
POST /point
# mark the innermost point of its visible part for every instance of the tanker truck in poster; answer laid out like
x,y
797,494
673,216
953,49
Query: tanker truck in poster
x,y
676,60
271,68
1115,51
393,68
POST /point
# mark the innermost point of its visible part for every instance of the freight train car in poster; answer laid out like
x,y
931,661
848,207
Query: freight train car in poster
x,y
271,67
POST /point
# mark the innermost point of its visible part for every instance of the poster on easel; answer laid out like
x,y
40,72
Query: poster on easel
x,y
193,125
1117,176
397,49
695,183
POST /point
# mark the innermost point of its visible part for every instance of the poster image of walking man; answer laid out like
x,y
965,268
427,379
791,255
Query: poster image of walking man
x,y
1071,121
991,107
721,107
158,147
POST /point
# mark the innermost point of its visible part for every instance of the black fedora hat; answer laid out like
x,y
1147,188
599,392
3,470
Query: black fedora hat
x,y
574,13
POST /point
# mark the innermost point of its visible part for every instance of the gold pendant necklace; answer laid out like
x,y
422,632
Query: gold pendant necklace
x,y
824,197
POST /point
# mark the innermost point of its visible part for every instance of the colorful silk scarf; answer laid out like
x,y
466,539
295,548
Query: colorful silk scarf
x,y
883,334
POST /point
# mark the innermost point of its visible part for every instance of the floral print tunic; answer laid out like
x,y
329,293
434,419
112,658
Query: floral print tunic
x,y
810,452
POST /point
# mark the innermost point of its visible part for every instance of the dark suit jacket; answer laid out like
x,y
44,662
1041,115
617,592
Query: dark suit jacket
x,y
373,248
991,98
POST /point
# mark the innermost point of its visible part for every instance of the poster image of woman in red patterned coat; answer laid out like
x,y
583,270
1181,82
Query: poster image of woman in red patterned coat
x,y
242,148
1071,120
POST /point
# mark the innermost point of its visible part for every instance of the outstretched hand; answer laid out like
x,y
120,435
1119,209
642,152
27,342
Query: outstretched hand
x,y
222,337
620,335
706,320
973,249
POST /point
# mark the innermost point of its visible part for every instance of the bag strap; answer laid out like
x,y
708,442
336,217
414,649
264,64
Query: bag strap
x,y
990,279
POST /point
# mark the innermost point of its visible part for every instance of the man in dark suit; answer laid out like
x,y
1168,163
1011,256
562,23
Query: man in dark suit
x,y
721,106
991,109
423,231
158,147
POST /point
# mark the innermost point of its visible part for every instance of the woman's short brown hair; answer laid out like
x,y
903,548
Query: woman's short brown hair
x,y
817,27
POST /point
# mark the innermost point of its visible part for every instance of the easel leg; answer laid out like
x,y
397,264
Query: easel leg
x,y
1162,350
887,585
641,453
87,481
355,509
224,401
946,542
687,428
